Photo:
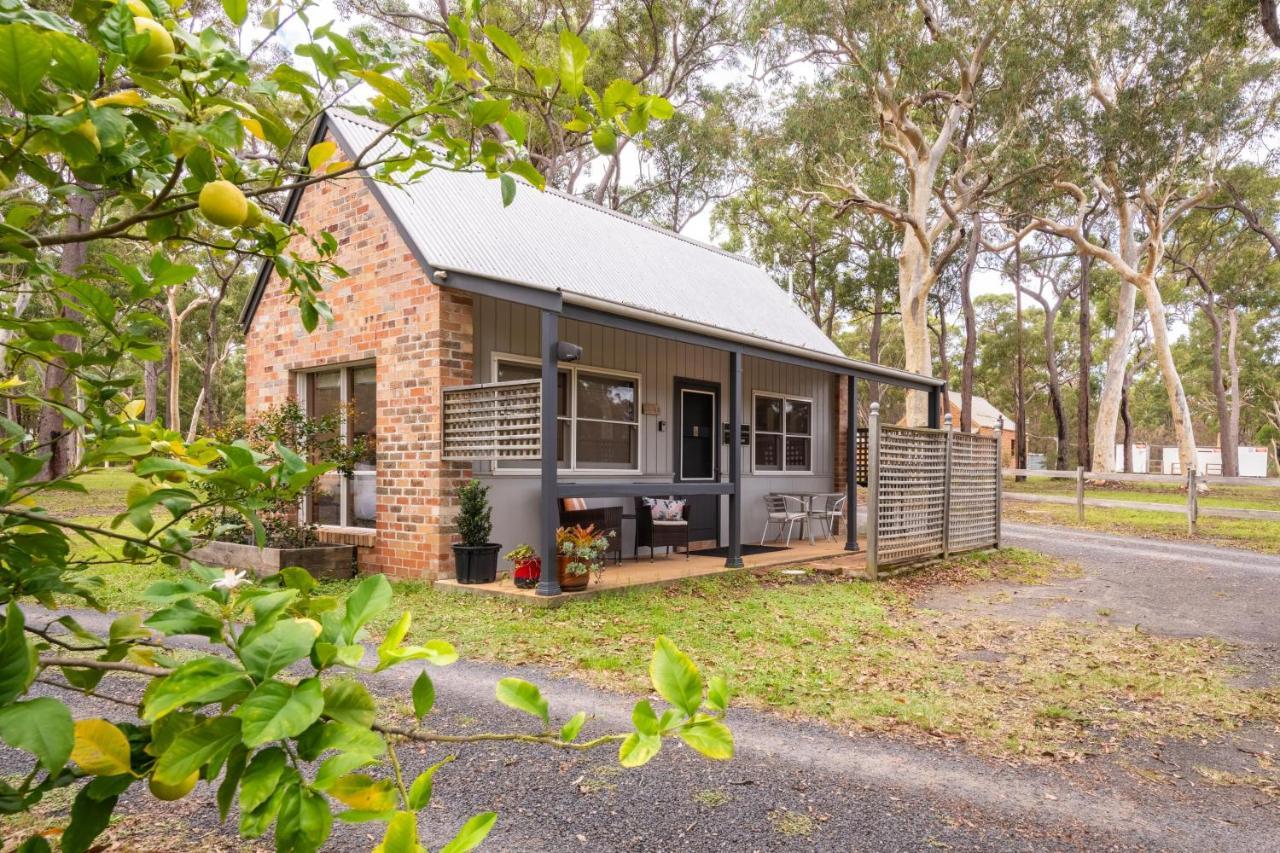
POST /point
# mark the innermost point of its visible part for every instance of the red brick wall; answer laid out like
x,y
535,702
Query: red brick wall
x,y
420,337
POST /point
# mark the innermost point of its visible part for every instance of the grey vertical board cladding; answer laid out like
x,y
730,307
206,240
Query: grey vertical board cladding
x,y
511,328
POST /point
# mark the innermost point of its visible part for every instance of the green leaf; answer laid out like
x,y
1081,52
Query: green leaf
x,y
644,718
675,676
472,833
320,153
526,170
487,112
508,184
424,695
569,731
231,779
25,59
89,817
573,62
305,821
604,139
237,10
637,749
717,693
261,778
505,43
275,710
368,599
393,89
710,737
390,652
184,618
200,681
364,793
523,696
195,747
420,790
401,835
286,643
347,701
42,727
17,656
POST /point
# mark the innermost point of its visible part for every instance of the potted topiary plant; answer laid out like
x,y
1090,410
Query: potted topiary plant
x,y
475,558
582,551
528,567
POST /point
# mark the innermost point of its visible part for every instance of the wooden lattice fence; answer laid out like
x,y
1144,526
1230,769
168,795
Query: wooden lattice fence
x,y
493,421
931,492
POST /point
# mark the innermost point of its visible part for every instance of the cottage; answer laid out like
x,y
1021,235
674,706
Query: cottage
x,y
654,365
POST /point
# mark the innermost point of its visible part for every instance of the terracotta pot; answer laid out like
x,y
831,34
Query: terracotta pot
x,y
568,582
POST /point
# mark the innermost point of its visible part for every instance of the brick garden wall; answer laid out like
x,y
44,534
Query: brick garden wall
x,y
421,340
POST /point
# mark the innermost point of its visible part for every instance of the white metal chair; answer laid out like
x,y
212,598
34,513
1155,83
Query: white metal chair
x,y
832,509
780,513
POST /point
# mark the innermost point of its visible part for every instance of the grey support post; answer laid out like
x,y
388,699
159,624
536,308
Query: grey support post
x,y
548,580
935,406
851,463
873,489
734,560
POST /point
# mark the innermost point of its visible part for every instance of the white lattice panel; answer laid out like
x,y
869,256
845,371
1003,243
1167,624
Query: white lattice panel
x,y
493,421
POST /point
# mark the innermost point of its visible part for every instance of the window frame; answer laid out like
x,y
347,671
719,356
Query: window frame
x,y
572,369
301,383
783,470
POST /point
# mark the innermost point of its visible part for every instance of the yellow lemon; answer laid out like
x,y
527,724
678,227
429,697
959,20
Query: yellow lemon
x,y
173,792
139,9
223,204
158,54
254,217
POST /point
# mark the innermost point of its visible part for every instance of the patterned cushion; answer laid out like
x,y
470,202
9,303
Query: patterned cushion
x,y
574,504
665,509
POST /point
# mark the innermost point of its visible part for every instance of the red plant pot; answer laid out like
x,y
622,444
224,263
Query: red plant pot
x,y
527,572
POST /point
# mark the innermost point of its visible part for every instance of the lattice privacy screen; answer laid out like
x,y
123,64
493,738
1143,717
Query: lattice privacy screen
x,y
493,421
911,494
934,492
973,510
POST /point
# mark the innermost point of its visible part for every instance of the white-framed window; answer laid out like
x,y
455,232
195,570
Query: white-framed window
x,y
351,389
598,415
782,434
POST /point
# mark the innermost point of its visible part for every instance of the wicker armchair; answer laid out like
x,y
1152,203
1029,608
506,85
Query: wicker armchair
x,y
607,520
668,534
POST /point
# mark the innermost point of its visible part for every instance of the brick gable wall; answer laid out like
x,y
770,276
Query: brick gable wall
x,y
420,337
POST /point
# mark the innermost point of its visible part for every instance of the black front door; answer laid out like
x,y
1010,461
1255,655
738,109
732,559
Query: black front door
x,y
697,452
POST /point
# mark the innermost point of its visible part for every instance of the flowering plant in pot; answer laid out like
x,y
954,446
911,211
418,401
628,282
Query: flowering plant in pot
x,y
475,557
582,551
528,566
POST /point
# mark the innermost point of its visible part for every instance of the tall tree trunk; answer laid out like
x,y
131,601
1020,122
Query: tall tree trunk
x,y
1231,443
1019,389
1128,425
52,435
873,345
1178,406
165,371
914,278
944,369
1055,387
150,389
1104,429
970,327
1083,457
1219,389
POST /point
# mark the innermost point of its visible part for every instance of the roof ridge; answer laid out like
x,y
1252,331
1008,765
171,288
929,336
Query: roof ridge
x,y
560,194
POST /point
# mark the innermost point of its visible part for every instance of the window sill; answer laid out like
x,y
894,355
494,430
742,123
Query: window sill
x,y
362,537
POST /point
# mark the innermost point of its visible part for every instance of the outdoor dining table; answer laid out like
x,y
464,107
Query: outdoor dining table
x,y
806,500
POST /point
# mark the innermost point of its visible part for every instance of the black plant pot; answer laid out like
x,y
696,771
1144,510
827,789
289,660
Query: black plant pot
x,y
476,563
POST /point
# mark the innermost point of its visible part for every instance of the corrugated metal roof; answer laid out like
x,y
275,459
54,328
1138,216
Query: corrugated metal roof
x,y
558,242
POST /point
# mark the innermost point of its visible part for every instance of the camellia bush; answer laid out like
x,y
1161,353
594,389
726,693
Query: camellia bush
x,y
132,133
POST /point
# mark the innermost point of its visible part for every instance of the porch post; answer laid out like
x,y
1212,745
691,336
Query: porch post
x,y
935,407
548,580
734,560
851,465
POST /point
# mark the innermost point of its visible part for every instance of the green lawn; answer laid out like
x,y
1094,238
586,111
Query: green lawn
x,y
852,653
1251,534
1235,497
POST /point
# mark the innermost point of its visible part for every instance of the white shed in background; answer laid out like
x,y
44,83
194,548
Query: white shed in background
x,y
1251,461
1141,458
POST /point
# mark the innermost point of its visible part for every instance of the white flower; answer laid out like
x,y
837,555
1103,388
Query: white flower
x,y
231,579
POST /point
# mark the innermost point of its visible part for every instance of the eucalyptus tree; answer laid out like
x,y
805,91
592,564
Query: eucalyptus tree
x,y
941,92
1164,93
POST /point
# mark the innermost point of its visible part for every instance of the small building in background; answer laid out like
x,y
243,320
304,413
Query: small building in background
x,y
1251,461
1141,458
985,418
